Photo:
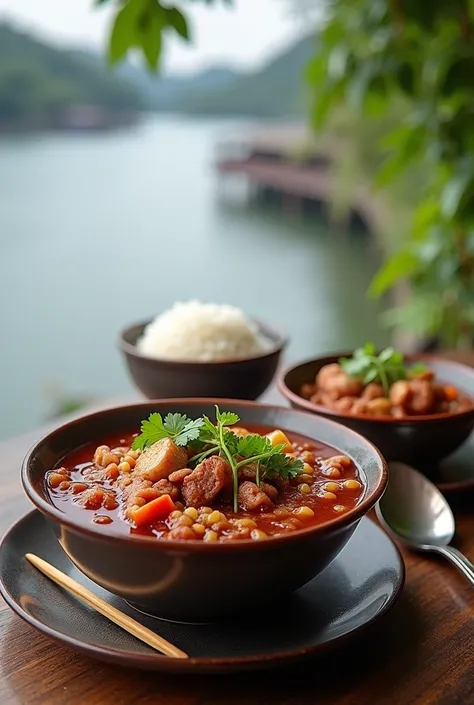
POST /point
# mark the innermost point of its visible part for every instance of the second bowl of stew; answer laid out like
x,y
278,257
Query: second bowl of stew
x,y
193,510
420,420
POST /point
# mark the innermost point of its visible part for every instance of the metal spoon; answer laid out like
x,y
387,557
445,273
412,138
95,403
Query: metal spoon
x,y
415,511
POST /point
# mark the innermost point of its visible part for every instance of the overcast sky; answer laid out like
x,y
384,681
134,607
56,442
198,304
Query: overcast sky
x,y
244,35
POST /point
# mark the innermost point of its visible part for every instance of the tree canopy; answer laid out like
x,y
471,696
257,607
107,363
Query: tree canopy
x,y
374,56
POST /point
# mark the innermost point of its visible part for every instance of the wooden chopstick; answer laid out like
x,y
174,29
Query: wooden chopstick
x,y
122,620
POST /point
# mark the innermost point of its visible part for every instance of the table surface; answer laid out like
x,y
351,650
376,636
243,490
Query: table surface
x,y
420,653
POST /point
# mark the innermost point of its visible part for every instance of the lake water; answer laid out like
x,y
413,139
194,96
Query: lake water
x,y
97,231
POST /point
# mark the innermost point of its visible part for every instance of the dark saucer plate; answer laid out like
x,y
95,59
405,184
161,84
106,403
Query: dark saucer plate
x,y
359,586
456,472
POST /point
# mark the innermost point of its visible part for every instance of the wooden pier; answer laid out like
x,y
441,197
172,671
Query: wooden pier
x,y
283,165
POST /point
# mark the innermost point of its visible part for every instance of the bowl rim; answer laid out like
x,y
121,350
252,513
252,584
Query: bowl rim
x,y
93,531
307,405
281,341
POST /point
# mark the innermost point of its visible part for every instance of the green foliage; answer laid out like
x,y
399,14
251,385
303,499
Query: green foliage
x,y
181,429
372,56
208,439
386,368
141,24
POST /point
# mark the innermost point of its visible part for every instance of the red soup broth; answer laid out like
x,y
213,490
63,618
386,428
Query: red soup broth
x,y
331,490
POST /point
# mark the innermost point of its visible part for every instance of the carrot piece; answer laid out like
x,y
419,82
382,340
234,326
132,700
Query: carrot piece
x,y
451,393
156,510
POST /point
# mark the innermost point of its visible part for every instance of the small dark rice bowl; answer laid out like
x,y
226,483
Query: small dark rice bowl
x,y
192,580
240,378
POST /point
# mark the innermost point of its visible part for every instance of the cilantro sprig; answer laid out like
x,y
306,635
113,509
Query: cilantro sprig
x,y
386,368
208,438
181,429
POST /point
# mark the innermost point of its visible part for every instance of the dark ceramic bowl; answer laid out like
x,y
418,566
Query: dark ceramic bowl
x,y
193,580
243,378
420,440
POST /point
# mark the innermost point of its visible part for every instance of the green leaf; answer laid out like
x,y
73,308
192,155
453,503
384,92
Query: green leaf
x,y
399,266
152,431
422,315
453,193
124,30
226,418
253,444
417,368
386,355
281,465
175,423
179,427
151,26
406,78
368,349
178,21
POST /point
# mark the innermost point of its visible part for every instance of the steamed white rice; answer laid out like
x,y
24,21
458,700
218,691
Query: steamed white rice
x,y
200,332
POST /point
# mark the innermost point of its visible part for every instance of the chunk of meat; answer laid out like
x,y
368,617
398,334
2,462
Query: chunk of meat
x,y
343,405
166,487
270,491
427,375
160,460
373,391
415,396
422,396
380,406
96,497
178,476
359,406
400,393
332,378
202,486
248,472
103,456
252,498
141,491
97,473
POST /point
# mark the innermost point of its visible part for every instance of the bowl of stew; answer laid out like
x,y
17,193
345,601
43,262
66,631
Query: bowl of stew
x,y
424,413
148,502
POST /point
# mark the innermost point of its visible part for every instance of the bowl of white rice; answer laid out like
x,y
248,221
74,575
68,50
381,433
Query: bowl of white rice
x,y
202,349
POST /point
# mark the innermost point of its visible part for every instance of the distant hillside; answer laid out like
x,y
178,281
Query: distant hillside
x,y
276,90
38,81
166,93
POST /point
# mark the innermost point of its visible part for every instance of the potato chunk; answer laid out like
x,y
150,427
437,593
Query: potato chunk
x,y
161,459
277,438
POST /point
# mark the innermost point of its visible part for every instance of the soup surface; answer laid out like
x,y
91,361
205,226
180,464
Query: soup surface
x,y
125,491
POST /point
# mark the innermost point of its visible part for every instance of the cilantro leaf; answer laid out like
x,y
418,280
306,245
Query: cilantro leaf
x,y
226,418
174,423
386,368
417,369
179,427
283,466
253,444
152,431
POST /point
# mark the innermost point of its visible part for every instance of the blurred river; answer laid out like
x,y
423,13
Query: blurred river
x,y
100,230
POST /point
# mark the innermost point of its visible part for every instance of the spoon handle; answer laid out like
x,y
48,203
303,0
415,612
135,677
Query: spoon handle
x,y
457,559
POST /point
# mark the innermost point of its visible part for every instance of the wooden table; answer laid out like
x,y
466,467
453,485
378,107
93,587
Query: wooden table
x,y
421,653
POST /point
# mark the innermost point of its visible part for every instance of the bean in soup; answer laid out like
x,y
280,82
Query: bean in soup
x,y
190,492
